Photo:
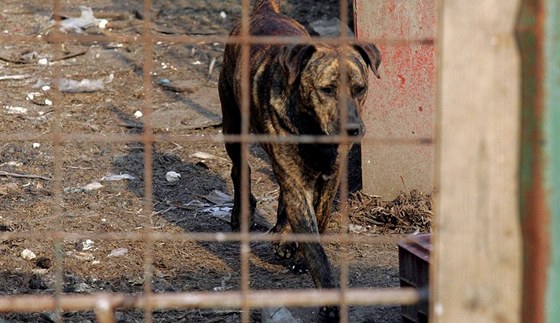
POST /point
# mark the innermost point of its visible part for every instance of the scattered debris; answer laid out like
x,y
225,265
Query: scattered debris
x,y
138,114
119,252
2,173
172,176
79,24
219,212
15,110
89,187
87,245
28,254
219,198
408,213
277,315
36,145
117,177
186,86
15,77
85,85
84,256
203,155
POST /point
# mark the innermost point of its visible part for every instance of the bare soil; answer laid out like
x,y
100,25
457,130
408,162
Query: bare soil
x,y
185,101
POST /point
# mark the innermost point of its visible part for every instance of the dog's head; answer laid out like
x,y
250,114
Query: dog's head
x,y
314,73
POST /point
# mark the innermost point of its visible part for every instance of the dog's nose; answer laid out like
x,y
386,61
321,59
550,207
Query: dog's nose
x,y
354,129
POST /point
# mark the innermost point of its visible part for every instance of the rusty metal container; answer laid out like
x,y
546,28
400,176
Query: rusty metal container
x,y
414,263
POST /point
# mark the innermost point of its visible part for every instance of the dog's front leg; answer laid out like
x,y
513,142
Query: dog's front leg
x,y
324,196
298,205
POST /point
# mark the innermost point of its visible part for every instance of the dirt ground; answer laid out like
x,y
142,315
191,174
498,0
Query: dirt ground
x,y
185,102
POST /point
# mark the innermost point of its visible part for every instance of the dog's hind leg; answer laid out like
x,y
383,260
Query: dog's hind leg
x,y
232,125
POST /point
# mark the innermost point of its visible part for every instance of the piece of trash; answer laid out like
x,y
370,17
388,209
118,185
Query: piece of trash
x,y
36,145
172,176
77,25
45,88
84,256
223,15
117,177
43,61
180,86
119,252
89,187
48,102
138,114
15,110
355,228
102,23
14,77
85,85
28,254
219,198
202,155
197,63
276,315
219,212
87,245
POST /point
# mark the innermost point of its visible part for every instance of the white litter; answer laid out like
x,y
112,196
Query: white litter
x,y
117,177
85,85
89,187
15,110
36,145
172,176
28,254
87,245
138,114
203,155
119,252
77,25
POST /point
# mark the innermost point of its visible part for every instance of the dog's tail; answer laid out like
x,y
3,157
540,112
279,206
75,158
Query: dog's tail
x,y
266,5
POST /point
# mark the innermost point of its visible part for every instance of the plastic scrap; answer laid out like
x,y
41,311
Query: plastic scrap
x,y
78,25
85,85
117,177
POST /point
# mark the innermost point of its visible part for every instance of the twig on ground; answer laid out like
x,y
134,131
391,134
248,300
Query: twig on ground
x,y
2,173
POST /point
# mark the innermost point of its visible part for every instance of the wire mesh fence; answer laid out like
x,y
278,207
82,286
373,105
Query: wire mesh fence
x,y
90,107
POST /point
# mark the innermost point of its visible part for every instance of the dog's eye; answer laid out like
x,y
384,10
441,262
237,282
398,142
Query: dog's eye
x,y
329,90
360,90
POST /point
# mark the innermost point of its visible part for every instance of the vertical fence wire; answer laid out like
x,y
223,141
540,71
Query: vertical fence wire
x,y
148,142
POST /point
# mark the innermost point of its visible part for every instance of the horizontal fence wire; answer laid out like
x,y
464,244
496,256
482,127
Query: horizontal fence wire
x,y
105,304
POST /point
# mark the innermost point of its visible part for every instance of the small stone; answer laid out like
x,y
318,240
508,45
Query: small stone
x,y
28,254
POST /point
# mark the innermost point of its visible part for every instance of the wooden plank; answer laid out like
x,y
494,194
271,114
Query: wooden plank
x,y
477,265
552,151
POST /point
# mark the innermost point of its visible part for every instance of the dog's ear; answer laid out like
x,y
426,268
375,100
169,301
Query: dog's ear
x,y
371,55
294,58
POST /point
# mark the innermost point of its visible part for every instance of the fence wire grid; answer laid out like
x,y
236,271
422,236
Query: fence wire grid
x,y
143,138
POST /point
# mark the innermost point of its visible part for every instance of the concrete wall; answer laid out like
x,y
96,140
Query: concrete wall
x,y
400,110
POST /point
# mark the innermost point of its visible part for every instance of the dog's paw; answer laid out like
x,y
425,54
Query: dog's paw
x,y
299,268
329,314
285,250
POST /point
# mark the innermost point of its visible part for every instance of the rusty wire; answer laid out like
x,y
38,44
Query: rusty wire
x,y
105,304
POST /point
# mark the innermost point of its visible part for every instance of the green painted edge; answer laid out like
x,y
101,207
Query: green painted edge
x,y
551,128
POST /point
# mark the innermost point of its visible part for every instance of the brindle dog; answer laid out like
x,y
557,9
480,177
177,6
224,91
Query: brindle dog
x,y
295,90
